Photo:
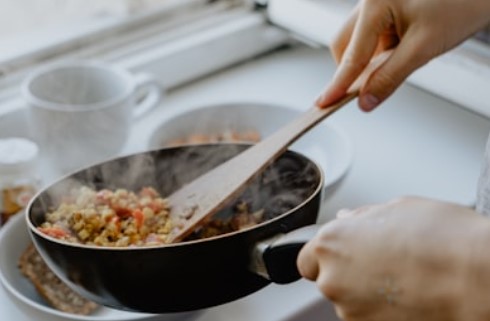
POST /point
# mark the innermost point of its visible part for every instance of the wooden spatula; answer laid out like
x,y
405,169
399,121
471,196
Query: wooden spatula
x,y
206,195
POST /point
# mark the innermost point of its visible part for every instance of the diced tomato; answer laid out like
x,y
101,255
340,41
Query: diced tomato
x,y
55,232
138,218
122,212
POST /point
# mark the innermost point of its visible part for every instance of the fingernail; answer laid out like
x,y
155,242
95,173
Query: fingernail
x,y
368,102
329,96
319,100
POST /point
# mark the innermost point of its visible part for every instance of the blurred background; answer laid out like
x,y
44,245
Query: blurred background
x,y
27,15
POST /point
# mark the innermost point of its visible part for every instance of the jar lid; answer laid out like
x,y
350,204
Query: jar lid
x,y
17,154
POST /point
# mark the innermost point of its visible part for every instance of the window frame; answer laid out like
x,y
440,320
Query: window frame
x,y
205,36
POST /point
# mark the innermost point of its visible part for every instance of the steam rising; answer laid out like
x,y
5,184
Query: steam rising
x,y
76,131
283,186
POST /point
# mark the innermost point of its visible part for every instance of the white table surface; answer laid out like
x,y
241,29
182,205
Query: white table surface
x,y
415,144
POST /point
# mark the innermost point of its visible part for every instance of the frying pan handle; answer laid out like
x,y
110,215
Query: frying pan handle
x,y
275,258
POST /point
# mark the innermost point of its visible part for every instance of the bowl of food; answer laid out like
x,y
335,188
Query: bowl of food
x,y
103,230
328,145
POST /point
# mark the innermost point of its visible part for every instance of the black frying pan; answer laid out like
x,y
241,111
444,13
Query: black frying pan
x,y
197,273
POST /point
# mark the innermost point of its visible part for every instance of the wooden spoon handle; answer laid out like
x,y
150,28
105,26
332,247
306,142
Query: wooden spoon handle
x,y
206,195
220,185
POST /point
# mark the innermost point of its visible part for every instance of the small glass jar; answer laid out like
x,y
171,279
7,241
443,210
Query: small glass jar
x,y
18,179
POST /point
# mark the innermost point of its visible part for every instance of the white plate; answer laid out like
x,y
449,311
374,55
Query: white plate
x,y
326,144
14,239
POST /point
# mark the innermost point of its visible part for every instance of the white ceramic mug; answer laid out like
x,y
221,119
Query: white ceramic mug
x,y
81,111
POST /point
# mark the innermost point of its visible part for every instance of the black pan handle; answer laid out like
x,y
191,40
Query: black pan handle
x,y
275,258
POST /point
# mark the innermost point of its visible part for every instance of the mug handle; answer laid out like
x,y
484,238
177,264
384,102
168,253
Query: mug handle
x,y
152,96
